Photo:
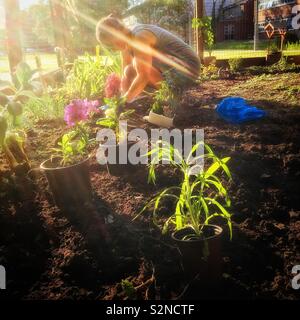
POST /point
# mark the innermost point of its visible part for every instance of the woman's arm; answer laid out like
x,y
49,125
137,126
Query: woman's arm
x,y
126,59
142,64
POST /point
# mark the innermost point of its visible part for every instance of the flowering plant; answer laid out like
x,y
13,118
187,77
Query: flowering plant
x,y
74,143
113,86
80,110
114,104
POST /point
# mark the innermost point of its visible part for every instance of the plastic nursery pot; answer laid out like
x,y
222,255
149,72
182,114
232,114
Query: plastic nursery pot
x,y
71,185
201,255
273,58
118,168
159,120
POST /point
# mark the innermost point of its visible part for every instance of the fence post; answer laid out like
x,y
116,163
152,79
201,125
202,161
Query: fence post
x,y
199,12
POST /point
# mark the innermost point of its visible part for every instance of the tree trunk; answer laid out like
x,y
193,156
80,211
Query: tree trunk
x,y
13,26
60,28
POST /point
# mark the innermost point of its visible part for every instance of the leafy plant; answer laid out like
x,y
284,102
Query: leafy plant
x,y
12,142
205,25
198,197
114,114
281,65
114,105
112,60
273,48
164,96
45,107
235,64
88,76
73,145
209,72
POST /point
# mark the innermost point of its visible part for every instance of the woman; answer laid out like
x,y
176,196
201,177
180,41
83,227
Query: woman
x,y
150,55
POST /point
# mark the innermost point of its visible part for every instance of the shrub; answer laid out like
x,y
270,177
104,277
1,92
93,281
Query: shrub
x,y
235,64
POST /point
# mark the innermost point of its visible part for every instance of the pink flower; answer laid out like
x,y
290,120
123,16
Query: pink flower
x,y
112,87
79,110
92,106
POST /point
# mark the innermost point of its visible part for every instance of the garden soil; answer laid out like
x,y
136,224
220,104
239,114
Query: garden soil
x,y
50,254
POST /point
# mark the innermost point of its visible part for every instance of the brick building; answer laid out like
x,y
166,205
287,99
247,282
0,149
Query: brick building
x,y
236,21
278,12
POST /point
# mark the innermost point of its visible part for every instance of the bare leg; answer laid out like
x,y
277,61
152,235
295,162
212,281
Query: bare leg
x,y
130,74
155,78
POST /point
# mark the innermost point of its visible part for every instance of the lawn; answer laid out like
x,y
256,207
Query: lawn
x,y
49,61
238,53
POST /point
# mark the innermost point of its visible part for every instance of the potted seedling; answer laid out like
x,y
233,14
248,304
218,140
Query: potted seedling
x,y
114,114
198,200
164,102
67,170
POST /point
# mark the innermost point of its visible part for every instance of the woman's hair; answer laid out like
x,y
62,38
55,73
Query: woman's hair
x,y
103,35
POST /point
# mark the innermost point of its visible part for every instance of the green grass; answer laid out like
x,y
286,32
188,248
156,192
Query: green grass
x,y
244,49
48,61
229,54
224,50
240,45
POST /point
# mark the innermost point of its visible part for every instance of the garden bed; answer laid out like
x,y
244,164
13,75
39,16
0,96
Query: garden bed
x,y
49,256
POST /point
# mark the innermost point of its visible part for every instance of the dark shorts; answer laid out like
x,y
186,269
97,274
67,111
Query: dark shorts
x,y
176,79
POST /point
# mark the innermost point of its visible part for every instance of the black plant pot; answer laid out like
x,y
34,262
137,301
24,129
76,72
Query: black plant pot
x,y
120,168
201,256
70,186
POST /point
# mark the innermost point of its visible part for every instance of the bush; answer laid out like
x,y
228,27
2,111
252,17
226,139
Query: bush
x,y
273,48
209,72
235,64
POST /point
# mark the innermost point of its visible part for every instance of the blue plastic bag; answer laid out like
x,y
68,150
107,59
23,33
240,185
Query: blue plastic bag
x,y
236,110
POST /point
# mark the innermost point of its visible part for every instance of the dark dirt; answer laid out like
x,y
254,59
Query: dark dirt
x,y
49,254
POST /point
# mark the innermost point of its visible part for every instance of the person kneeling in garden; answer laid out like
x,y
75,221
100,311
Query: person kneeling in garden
x,y
150,55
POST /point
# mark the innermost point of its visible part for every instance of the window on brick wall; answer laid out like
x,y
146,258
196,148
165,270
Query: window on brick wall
x,y
229,32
